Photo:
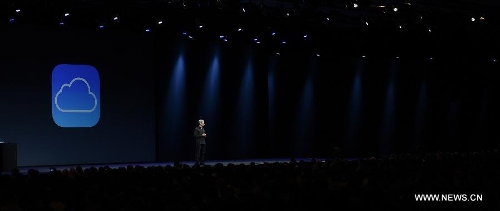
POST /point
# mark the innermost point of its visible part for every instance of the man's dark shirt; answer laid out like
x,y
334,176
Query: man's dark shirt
x,y
197,135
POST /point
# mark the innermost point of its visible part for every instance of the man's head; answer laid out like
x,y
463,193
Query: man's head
x,y
201,122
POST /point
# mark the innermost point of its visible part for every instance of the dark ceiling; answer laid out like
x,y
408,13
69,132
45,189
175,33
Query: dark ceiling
x,y
416,28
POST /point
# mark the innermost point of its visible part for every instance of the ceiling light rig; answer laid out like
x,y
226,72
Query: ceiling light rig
x,y
272,38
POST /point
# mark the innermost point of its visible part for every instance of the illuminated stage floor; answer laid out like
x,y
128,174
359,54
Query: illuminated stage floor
x,y
46,169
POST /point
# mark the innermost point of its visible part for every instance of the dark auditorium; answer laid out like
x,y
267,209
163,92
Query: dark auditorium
x,y
249,105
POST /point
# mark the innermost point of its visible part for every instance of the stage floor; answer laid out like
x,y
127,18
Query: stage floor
x,y
46,169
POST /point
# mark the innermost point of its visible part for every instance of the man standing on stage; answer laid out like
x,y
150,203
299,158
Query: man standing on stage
x,y
200,135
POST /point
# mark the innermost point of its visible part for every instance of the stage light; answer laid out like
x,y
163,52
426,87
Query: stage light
x,y
191,37
184,33
363,56
221,37
273,33
287,14
115,18
431,58
160,22
278,53
18,11
200,26
327,19
66,14
225,40
481,18
318,55
473,19
243,10
283,42
256,40
366,23
61,23
355,5
240,29
147,30
397,57
429,30
495,60
11,20
400,27
395,9
101,26
305,36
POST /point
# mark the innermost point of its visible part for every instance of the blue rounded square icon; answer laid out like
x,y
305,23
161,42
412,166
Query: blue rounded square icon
x,y
75,96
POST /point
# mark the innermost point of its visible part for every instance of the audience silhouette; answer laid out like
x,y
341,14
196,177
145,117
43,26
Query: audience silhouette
x,y
388,183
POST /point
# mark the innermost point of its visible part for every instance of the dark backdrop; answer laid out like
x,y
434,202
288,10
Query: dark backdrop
x,y
409,103
295,104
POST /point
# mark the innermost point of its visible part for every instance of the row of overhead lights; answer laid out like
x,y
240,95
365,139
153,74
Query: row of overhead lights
x,y
395,9
116,19
355,5
224,38
160,23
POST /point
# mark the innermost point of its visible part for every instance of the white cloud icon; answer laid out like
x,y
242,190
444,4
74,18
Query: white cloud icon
x,y
69,85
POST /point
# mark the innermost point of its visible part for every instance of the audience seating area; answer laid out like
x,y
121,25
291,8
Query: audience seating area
x,y
335,184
